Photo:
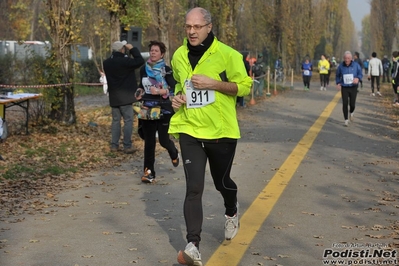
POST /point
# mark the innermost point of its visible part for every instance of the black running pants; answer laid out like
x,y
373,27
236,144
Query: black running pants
x,y
195,154
324,80
306,81
377,80
348,95
150,128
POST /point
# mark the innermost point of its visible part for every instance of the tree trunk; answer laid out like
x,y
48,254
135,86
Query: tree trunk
x,y
61,21
163,24
115,28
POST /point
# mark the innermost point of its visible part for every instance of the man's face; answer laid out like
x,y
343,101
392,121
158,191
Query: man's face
x,y
348,59
195,19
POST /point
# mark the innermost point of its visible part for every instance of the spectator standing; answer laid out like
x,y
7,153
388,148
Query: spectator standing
x,y
357,59
333,63
366,65
307,69
395,76
120,69
374,73
347,79
329,71
259,75
157,84
278,69
386,66
205,122
278,64
323,67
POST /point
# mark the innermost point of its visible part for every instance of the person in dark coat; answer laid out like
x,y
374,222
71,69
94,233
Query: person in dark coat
x,y
120,69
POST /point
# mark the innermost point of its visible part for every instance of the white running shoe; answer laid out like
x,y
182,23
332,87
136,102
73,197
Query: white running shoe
x,y
379,93
372,94
321,88
231,226
346,123
189,256
351,117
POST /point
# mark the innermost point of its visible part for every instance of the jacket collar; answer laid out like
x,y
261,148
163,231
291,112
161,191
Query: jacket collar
x,y
118,54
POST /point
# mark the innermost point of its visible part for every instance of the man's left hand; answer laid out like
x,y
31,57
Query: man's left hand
x,y
355,80
201,82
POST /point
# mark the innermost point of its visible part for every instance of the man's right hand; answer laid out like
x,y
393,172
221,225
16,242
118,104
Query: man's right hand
x,y
178,100
129,46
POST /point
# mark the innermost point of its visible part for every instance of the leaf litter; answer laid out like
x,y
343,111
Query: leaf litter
x,y
53,158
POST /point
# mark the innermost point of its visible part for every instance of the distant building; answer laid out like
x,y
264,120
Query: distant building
x,y
30,48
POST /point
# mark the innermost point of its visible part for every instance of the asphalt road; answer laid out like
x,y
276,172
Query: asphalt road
x,y
308,187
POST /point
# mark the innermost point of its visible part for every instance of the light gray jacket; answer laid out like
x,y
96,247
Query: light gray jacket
x,y
375,67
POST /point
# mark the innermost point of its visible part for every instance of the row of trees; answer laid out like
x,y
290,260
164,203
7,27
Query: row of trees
x,y
380,28
291,29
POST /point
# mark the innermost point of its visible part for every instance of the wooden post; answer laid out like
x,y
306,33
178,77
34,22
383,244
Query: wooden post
x,y
268,82
275,82
292,79
252,101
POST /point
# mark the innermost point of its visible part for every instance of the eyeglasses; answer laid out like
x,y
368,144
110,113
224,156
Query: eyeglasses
x,y
195,27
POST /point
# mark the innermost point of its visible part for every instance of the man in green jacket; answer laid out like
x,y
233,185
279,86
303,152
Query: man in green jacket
x,y
210,75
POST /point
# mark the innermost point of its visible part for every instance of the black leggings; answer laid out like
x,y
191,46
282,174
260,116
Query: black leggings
x,y
324,80
306,81
377,79
195,154
150,128
348,93
395,90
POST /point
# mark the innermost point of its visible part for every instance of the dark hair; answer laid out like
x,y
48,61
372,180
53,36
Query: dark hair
x,y
374,54
357,54
161,46
395,54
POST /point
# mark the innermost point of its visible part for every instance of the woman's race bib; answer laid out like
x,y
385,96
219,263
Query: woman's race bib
x,y
306,72
147,85
198,98
348,79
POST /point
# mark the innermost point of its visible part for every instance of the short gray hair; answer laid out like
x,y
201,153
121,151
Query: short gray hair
x,y
348,53
205,13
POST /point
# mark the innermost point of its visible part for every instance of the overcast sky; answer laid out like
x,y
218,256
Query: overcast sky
x,y
358,9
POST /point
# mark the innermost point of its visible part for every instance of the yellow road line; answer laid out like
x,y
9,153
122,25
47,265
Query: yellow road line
x,y
231,252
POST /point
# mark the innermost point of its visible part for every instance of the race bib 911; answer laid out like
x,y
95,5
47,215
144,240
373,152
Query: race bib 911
x,y
198,98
